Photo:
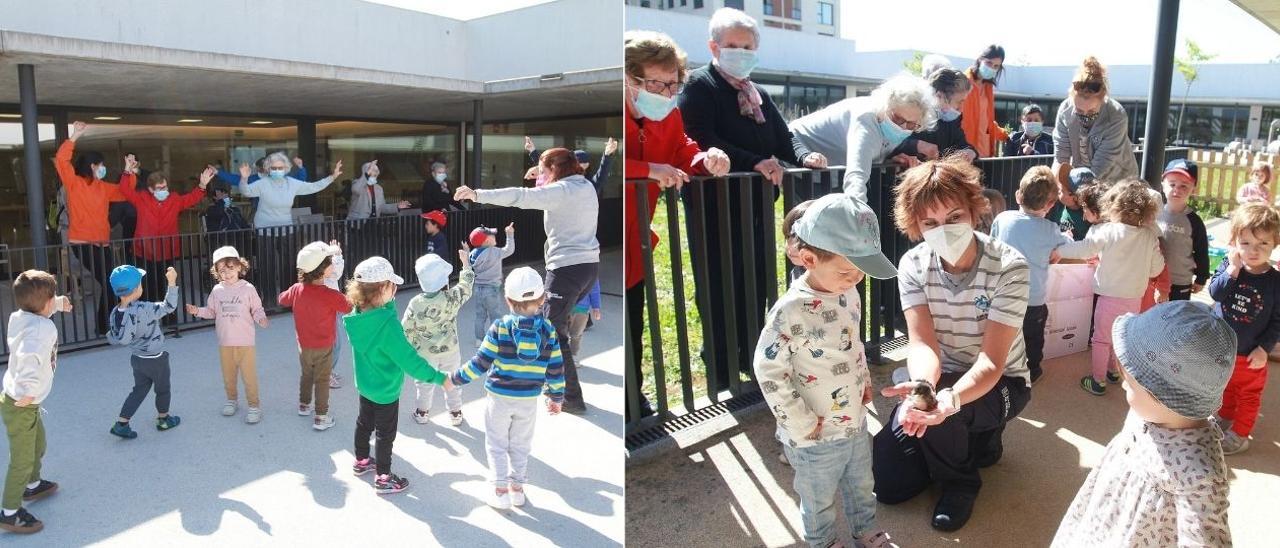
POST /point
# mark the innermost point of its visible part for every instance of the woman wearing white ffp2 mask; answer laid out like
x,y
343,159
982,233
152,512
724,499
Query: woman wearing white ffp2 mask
x,y
964,296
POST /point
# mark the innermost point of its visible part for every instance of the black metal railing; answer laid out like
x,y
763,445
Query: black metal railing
x,y
732,243
271,253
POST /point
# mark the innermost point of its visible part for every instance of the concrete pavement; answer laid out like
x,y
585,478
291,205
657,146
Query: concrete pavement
x,y
218,481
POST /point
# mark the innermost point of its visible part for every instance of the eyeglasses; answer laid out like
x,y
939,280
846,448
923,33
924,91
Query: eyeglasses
x,y
1087,87
903,122
660,87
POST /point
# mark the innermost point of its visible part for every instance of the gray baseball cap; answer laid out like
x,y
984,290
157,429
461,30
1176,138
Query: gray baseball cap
x,y
1179,352
842,224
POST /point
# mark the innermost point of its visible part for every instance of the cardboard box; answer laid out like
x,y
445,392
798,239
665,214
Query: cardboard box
x,y
1069,295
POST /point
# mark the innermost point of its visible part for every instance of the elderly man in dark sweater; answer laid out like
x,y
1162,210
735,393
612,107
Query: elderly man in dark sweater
x,y
723,109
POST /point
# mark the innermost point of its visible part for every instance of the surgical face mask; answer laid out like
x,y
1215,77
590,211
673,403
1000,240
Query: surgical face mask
x,y
949,241
653,106
738,62
226,201
948,114
161,195
440,177
101,172
892,133
371,180
986,72
278,174
1032,129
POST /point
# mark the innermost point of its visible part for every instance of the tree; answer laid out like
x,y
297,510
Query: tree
x,y
1189,66
913,65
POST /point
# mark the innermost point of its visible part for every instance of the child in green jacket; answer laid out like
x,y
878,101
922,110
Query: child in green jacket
x,y
382,356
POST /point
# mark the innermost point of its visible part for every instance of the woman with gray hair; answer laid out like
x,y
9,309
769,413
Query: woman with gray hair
x,y
864,130
275,195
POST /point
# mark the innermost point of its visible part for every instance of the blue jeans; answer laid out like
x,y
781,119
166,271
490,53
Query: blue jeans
x,y
490,305
822,470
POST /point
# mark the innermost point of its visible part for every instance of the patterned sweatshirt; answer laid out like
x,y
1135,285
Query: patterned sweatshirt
x,y
810,364
138,324
431,320
1154,487
520,353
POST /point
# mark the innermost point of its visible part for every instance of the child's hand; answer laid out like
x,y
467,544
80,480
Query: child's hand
x,y
511,229
171,275
1257,358
1161,297
1054,257
191,309
1235,259
596,315
25,401
553,407
817,431
62,303
448,382
264,322
463,253
335,243
866,394
1195,288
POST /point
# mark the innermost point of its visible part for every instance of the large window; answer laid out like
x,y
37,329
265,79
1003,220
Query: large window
x,y
826,13
798,99
404,153
505,160
13,176
735,4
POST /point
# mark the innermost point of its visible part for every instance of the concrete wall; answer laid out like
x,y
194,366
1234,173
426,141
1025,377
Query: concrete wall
x,y
564,36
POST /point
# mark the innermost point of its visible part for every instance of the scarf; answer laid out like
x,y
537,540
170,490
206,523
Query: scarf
x,y
748,96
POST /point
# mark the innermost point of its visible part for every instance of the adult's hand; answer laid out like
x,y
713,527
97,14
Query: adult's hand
x,y
716,162
206,176
914,421
131,163
337,170
297,161
667,176
1027,149
77,129
403,204
929,150
245,170
814,160
464,192
610,146
771,170
968,154
528,144
905,160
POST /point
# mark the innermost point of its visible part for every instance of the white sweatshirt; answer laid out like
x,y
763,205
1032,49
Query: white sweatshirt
x,y
33,350
1128,257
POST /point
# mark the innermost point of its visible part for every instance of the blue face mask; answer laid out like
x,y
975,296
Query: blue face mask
x,y
986,72
440,177
226,201
278,174
161,195
738,62
653,106
1032,129
371,180
101,172
948,114
893,134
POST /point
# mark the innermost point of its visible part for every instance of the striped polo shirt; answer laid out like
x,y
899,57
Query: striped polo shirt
x,y
996,289
520,354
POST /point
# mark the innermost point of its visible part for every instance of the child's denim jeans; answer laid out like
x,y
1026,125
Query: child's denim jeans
x,y
822,471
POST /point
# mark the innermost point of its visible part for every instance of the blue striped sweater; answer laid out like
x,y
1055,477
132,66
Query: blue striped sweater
x,y
520,354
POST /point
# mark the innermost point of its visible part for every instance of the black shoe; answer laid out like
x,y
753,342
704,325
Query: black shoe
x,y
43,490
953,510
1036,374
575,408
21,522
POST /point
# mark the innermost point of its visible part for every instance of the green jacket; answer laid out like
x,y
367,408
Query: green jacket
x,y
383,355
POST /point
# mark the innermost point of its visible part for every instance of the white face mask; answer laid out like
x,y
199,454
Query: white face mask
x,y
949,241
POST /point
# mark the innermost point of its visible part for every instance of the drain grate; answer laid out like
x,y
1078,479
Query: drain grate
x,y
665,429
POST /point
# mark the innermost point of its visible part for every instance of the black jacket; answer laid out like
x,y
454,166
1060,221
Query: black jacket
x,y
709,106
220,218
1043,143
434,197
948,136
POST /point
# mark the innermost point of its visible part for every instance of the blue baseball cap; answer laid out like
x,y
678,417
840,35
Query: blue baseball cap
x,y
842,224
125,278
1080,176
1183,167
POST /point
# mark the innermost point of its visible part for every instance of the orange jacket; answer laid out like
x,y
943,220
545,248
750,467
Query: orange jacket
x,y
87,199
978,118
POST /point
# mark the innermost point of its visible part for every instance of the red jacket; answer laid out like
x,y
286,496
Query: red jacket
x,y
648,142
315,311
156,218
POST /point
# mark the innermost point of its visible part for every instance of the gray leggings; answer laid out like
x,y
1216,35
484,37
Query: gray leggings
x,y
148,372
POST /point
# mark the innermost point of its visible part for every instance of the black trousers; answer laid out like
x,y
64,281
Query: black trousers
x,y
148,373
99,261
565,287
904,466
379,419
1179,292
636,327
1033,324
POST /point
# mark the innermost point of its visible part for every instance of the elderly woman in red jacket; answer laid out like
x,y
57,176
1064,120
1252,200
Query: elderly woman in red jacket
x,y
156,241
657,149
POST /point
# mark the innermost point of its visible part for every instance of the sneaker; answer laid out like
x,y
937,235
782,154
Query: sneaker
x,y
874,539
335,382
362,466
123,430
1223,424
167,423
517,495
229,408
1233,443
420,416
390,483
1036,374
455,418
20,522
323,422
43,490
1113,377
1093,387
953,510
304,409
253,416
500,499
